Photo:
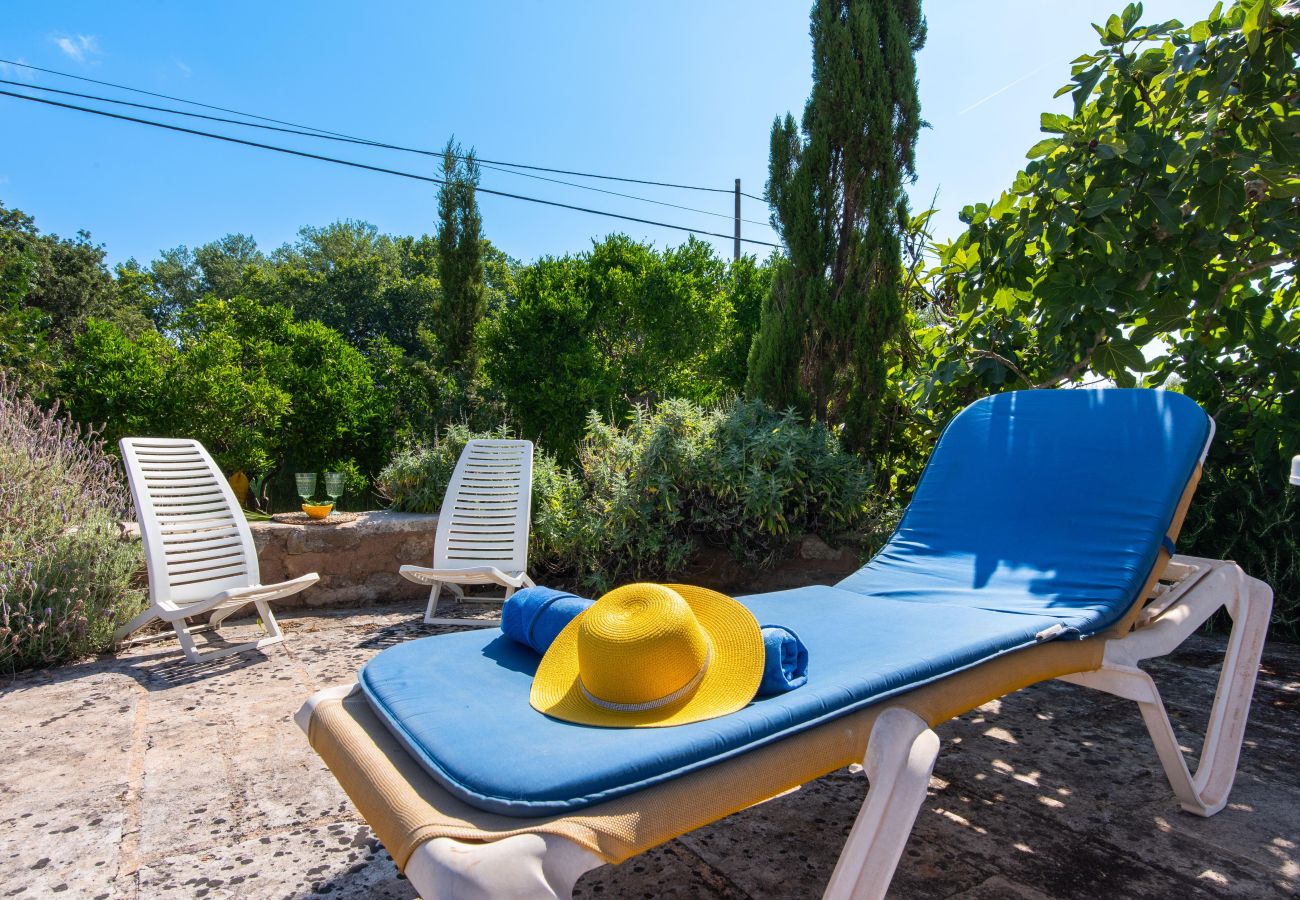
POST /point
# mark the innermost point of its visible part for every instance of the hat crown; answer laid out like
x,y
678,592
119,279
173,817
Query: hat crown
x,y
640,644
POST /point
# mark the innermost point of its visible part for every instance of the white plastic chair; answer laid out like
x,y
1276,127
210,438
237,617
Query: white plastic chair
x,y
482,528
197,545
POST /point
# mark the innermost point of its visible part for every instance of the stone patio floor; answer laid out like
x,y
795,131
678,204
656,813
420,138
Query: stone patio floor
x,y
144,776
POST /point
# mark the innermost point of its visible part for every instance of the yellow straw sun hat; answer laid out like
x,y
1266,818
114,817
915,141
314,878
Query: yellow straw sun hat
x,y
649,655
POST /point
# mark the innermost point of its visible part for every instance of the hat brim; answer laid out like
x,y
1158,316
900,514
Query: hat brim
x,y
730,682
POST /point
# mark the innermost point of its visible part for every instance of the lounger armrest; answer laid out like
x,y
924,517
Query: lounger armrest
x,y
467,575
1203,586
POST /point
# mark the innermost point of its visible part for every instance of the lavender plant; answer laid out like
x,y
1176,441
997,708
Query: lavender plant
x,y
67,580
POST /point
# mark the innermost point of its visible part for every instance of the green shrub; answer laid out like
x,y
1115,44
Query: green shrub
x,y
266,394
645,495
738,475
65,574
1253,518
622,322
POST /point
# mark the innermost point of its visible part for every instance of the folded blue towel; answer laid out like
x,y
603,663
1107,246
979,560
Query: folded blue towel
x,y
535,617
785,662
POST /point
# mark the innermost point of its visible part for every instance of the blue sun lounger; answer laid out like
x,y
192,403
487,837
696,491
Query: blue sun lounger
x,y
1038,545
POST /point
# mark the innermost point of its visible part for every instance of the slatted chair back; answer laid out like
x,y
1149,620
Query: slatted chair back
x,y
485,512
197,542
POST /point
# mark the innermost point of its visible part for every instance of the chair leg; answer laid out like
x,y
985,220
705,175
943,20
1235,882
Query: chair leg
x,y
432,618
269,624
186,636
526,865
120,636
1217,768
221,615
431,611
1205,792
901,752
187,641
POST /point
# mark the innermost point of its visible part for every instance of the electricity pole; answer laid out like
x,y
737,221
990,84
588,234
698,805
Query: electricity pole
x,y
736,252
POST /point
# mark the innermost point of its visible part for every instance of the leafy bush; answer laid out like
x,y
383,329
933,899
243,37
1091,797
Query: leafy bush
x,y
262,391
621,324
737,475
65,574
645,495
1153,239
1241,514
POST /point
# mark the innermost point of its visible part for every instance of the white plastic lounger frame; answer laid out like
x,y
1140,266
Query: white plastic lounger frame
x,y
1191,591
197,545
482,528
902,750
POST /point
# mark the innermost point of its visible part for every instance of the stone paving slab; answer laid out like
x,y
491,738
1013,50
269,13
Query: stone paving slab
x,y
144,776
340,858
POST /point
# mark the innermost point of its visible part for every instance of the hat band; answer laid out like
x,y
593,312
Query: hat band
x,y
651,704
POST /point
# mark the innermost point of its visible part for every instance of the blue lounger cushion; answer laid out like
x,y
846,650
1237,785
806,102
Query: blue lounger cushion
x,y
1049,502
459,702
1037,509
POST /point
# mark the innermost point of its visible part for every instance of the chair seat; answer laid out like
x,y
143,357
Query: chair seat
x,y
462,575
234,598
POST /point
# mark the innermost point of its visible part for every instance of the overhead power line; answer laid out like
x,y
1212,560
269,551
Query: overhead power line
x,y
366,166
336,134
363,142
588,187
123,87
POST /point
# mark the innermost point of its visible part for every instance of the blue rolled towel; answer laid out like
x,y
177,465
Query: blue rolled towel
x,y
785,661
535,616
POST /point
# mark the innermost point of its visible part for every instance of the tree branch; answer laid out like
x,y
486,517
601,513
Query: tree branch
x,y
1078,366
1249,270
1146,98
999,358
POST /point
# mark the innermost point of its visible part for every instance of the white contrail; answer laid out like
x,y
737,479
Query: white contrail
x,y
1005,87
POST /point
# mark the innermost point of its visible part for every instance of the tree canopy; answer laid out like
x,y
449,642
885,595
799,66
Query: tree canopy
x,y
1152,239
460,260
623,324
1160,216
836,188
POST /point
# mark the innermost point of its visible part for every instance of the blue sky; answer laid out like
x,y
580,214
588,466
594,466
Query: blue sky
x,y
671,91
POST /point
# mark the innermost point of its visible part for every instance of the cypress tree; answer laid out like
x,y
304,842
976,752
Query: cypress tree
x,y
460,259
836,189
